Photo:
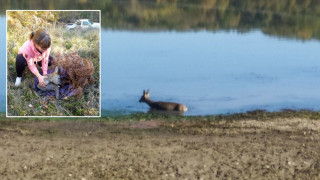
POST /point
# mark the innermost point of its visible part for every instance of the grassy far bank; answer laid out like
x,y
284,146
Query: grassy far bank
x,y
23,100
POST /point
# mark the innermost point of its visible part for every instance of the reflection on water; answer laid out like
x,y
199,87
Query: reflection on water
x,y
285,18
211,73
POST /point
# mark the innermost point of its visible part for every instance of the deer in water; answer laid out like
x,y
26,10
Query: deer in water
x,y
52,82
163,106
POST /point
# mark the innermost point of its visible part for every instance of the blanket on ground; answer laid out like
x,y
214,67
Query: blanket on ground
x,y
66,90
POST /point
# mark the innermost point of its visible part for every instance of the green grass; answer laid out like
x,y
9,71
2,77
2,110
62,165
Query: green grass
x,y
250,115
259,115
24,101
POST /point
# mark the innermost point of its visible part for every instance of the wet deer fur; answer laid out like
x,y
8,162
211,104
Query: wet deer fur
x,y
164,106
53,82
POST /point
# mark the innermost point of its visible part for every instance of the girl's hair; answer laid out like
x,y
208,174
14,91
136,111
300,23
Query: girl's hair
x,y
41,38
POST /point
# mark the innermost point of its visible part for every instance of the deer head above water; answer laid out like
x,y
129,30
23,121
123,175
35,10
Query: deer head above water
x,y
164,106
52,82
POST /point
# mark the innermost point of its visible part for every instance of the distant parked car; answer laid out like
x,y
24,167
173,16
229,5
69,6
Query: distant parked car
x,y
71,26
83,24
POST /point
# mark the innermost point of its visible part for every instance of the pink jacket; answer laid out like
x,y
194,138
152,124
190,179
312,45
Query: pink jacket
x,y
30,53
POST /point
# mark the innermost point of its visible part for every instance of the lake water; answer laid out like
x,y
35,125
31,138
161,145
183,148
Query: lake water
x,y
211,73
3,63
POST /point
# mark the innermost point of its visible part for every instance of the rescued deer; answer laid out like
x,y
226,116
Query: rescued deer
x,y
164,106
52,82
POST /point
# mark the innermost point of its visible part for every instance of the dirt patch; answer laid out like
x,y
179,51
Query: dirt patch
x,y
145,124
244,149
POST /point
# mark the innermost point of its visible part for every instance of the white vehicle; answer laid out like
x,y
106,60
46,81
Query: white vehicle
x,y
71,26
82,24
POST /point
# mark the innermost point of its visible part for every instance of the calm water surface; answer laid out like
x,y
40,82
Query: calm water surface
x,y
213,71
210,72
3,63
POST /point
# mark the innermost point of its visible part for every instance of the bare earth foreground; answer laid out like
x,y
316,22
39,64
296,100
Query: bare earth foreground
x,y
280,148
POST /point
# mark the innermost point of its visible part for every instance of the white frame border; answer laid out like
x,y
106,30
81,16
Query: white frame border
x,y
53,116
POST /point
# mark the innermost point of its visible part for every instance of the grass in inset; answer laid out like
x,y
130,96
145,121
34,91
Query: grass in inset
x,y
23,100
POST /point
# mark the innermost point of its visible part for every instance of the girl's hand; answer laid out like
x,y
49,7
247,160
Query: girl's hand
x,y
41,80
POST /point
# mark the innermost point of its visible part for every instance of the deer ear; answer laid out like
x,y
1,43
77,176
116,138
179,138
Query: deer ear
x,y
56,69
148,91
144,92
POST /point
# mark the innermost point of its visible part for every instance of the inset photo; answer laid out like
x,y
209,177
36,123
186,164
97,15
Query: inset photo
x,y
53,63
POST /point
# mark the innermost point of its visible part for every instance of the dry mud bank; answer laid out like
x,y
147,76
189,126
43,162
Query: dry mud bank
x,y
159,149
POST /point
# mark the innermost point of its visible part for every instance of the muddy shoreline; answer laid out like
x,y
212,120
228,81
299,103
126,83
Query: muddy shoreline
x,y
161,148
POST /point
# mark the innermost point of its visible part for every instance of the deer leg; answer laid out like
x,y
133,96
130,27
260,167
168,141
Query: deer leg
x,y
57,90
